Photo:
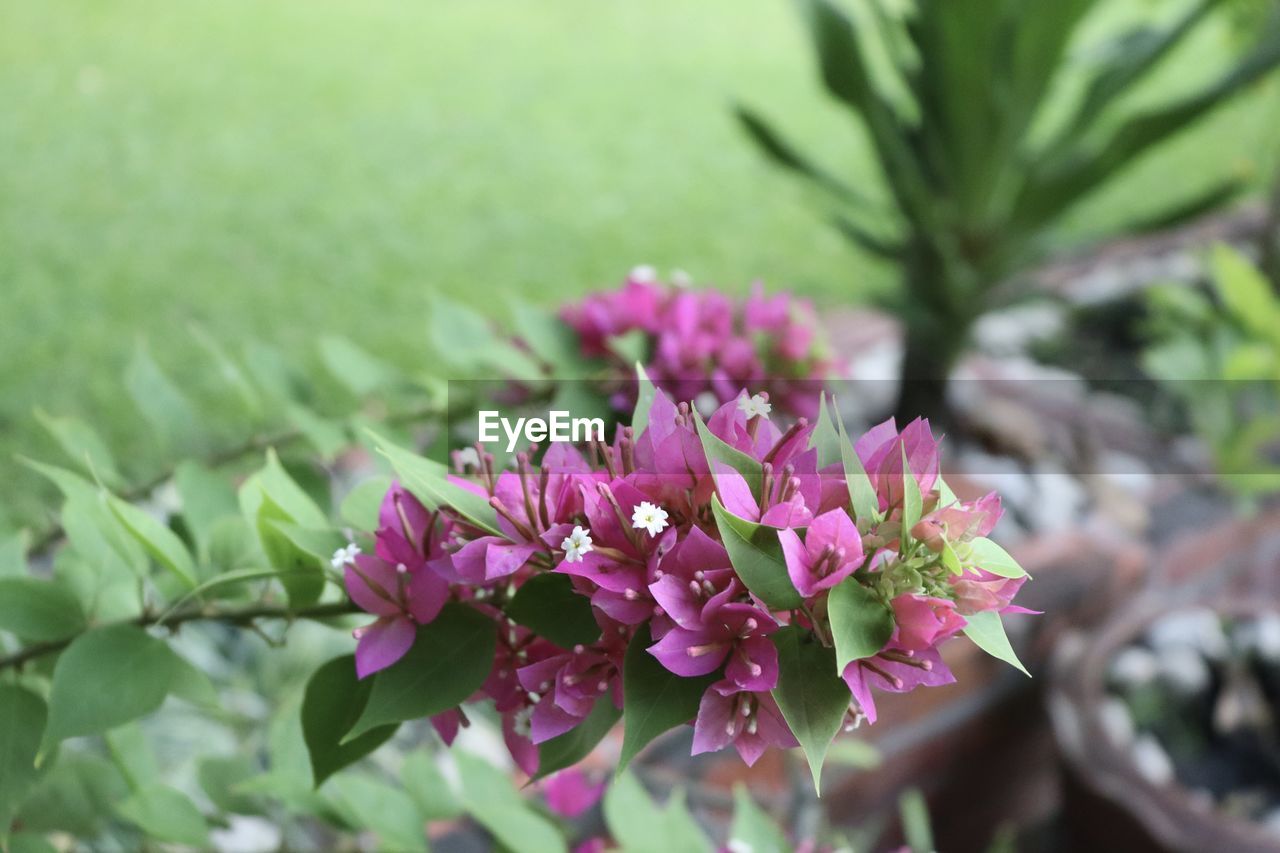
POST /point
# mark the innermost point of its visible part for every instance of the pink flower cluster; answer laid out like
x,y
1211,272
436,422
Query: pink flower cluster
x,y
701,340
631,525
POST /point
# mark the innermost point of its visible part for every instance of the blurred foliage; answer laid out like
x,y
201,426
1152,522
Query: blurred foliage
x,y
1219,353
952,96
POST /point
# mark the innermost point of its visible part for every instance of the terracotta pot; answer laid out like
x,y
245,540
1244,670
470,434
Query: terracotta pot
x,y
1107,804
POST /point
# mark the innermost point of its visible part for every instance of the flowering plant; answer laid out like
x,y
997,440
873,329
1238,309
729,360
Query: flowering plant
x,y
759,582
695,342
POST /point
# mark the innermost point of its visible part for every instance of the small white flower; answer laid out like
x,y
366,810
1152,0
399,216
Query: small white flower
x,y
680,278
649,517
342,556
468,457
576,544
643,274
756,406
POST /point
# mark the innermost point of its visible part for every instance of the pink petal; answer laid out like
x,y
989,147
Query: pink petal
x,y
679,652
382,644
372,585
426,592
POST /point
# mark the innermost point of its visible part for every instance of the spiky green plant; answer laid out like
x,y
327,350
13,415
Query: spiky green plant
x,y
948,92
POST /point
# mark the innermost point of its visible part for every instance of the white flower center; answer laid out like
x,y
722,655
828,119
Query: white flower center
x,y
342,556
650,518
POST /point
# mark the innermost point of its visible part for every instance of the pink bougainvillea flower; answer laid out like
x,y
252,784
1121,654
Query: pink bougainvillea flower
x,y
738,633
924,621
895,670
830,552
447,725
629,529
979,590
564,688
699,341
697,574
881,449
400,598
749,720
407,530
569,793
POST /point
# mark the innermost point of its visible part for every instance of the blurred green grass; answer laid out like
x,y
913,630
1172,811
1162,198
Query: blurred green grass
x,y
285,169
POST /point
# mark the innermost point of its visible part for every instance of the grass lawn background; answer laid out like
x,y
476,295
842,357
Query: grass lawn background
x,y
288,168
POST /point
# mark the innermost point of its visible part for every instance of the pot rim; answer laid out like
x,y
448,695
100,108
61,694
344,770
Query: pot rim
x,y
1078,685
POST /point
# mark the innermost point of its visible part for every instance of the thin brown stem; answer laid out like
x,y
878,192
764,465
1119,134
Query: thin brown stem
x,y
226,456
245,616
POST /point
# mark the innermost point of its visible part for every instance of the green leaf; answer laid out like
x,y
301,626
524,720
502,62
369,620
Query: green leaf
x,y
862,494
639,825
576,744
193,685
548,605
783,153
237,392
30,842
165,815
207,498
718,451
656,700
810,693
361,505
950,560
23,713
1135,53
863,237
91,526
360,372
106,678
450,659
756,555
630,347
318,543
13,554
387,810
133,755
301,572
860,622
489,797
38,611
281,487
914,812
426,480
333,701
990,557
75,796
912,500
1061,180
430,791
1193,207
825,436
682,830
159,541
633,818
645,394
551,339
460,336
987,632
1245,292
82,446
161,403
327,437
752,828
220,777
